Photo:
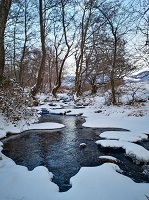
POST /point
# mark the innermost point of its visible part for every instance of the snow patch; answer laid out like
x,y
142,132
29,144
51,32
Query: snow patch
x,y
124,136
103,182
43,126
2,133
134,151
109,158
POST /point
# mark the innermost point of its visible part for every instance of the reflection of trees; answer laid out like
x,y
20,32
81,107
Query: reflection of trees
x,y
48,142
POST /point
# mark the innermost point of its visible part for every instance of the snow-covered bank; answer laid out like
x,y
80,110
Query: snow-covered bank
x,y
2,133
134,151
96,183
104,183
17,183
45,125
97,115
120,118
23,126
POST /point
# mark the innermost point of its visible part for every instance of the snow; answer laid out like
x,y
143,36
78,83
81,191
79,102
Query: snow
x,y
136,152
45,125
99,183
69,112
47,106
83,145
105,183
102,182
124,136
23,126
2,133
113,117
1,144
19,183
108,158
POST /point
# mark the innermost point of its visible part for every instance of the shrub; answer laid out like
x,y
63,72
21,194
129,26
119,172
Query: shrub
x,y
14,101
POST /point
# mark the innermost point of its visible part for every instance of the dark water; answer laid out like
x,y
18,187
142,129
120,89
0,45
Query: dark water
x,y
60,152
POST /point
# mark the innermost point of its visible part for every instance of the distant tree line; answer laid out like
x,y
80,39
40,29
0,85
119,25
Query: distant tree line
x,y
38,36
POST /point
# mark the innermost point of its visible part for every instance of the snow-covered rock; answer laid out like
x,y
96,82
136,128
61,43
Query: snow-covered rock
x,y
110,159
124,136
146,170
134,151
82,145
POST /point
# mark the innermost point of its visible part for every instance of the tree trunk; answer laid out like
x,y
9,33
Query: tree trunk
x,y
58,83
21,68
85,23
59,68
4,11
112,82
112,78
78,75
94,86
41,72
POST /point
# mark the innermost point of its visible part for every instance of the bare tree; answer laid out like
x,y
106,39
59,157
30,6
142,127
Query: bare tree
x,y
119,19
24,45
141,47
4,11
86,8
41,72
95,58
63,40
51,70
20,39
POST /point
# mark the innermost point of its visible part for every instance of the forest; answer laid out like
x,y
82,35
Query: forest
x,y
74,99
96,42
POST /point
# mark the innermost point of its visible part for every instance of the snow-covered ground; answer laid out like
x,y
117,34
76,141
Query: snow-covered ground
x,y
22,126
104,182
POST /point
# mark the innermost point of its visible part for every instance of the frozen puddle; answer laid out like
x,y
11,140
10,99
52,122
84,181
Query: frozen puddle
x,y
134,151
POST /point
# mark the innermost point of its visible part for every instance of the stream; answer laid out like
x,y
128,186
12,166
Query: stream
x,y
59,150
